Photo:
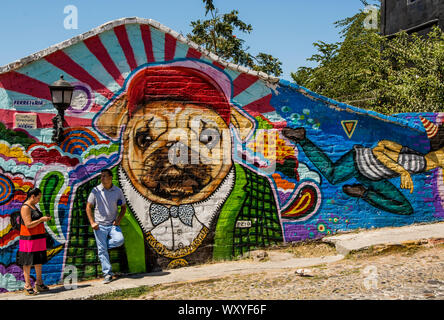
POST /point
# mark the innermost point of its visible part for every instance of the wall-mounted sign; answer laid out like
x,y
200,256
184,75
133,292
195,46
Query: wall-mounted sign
x,y
243,224
23,103
25,120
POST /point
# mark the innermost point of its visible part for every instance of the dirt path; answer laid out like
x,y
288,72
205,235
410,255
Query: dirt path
x,y
412,273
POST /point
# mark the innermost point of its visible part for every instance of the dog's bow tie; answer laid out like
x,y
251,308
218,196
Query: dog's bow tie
x,y
159,213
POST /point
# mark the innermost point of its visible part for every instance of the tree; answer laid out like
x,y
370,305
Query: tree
x,y
217,35
368,70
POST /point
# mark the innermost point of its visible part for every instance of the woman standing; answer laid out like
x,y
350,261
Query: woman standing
x,y
32,243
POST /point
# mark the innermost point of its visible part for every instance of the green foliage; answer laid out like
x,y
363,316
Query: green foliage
x,y
217,35
368,70
123,294
51,186
15,136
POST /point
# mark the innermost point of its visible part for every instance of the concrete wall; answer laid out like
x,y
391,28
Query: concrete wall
x,y
197,147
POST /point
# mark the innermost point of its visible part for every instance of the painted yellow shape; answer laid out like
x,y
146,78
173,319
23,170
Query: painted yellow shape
x,y
25,188
52,252
177,263
299,207
17,153
271,146
349,127
5,231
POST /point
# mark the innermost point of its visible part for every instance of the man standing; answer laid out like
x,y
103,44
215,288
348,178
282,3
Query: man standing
x,y
105,199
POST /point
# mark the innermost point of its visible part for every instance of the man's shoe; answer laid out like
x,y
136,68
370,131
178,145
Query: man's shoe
x,y
355,190
295,135
108,279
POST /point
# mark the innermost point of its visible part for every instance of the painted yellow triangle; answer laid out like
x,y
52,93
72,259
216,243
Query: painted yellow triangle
x,y
349,127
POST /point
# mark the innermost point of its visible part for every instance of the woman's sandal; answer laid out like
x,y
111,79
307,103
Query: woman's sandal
x,y
41,287
30,291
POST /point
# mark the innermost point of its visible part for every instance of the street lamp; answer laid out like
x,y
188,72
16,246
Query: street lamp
x,y
61,94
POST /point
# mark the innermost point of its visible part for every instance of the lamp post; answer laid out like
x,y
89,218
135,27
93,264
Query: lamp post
x,y
61,94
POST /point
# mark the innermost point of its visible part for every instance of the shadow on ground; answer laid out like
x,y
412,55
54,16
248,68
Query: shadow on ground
x,y
143,275
62,289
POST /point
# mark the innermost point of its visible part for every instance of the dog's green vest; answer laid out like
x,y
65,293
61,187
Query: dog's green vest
x,y
247,220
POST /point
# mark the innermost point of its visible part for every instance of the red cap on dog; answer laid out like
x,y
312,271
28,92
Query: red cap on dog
x,y
176,83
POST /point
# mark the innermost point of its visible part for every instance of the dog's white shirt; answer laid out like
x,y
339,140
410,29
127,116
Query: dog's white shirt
x,y
172,233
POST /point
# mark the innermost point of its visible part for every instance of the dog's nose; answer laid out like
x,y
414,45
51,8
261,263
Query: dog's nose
x,y
178,153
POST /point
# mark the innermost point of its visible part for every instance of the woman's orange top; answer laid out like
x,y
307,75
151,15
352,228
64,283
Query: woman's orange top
x,y
39,229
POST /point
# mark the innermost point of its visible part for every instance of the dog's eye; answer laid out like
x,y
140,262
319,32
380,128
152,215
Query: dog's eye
x,y
210,137
143,139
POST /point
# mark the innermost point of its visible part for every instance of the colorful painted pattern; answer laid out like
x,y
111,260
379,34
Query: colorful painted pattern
x,y
271,190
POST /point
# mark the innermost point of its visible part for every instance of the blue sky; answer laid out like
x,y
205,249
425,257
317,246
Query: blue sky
x,y
284,28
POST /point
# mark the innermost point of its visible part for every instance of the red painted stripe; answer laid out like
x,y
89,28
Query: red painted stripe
x,y
80,138
146,37
193,53
79,134
259,106
44,120
242,82
62,61
69,144
21,83
217,64
10,236
95,45
170,47
64,200
96,108
32,245
279,125
122,36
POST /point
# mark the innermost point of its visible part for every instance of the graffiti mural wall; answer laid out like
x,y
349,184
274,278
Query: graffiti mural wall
x,y
213,160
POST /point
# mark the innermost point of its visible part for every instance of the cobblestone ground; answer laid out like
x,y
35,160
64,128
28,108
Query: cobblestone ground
x,y
408,274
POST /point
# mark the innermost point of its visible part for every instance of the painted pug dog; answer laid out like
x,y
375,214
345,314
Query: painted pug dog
x,y
177,170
